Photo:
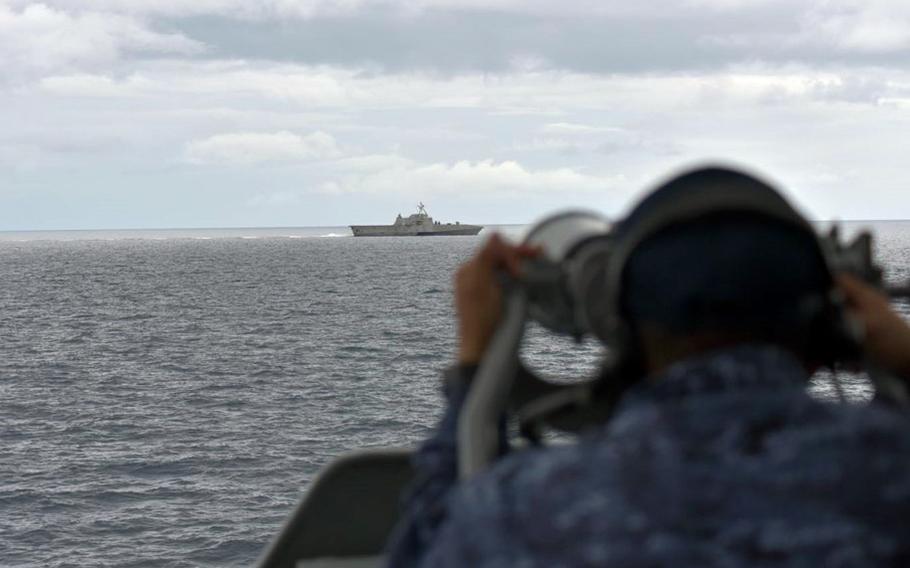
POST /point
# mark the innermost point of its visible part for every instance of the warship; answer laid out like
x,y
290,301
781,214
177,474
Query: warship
x,y
419,224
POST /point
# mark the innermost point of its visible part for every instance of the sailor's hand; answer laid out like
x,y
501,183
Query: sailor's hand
x,y
887,335
478,294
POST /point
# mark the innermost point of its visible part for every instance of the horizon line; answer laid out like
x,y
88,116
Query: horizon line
x,y
250,227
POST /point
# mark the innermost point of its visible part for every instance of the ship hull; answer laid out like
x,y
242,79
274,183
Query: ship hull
x,y
412,231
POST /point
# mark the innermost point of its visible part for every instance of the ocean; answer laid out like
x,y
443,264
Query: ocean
x,y
166,395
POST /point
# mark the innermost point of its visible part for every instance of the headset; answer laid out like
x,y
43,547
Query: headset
x,y
716,192
576,288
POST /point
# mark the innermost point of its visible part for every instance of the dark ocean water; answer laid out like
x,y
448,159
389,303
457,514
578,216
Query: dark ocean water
x,y
165,396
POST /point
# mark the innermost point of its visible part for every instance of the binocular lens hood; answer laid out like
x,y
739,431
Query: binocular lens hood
x,y
564,285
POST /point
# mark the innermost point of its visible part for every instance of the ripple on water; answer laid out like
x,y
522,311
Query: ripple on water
x,y
172,398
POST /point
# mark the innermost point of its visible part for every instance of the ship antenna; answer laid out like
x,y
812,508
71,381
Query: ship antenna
x,y
421,208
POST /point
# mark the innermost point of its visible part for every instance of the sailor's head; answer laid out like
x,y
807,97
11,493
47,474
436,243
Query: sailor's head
x,y
741,266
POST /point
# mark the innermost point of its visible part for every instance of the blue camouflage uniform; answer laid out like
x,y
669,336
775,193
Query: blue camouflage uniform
x,y
724,460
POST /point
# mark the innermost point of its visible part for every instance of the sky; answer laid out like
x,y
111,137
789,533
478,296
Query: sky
x,y
256,113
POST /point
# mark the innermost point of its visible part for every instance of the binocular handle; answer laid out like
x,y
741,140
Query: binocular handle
x,y
478,440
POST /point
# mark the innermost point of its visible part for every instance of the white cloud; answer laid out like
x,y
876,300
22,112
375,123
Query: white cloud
x,y
317,86
371,163
512,94
397,175
252,148
875,25
88,85
41,38
58,35
846,26
247,9
20,157
282,9
569,129
863,25
897,102
278,198
550,144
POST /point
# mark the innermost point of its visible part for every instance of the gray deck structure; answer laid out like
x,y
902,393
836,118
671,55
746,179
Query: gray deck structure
x,y
419,224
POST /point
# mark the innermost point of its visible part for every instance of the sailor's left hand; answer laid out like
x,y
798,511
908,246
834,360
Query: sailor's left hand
x,y
887,335
478,294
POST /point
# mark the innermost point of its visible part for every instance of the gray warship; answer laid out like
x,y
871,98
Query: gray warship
x,y
419,224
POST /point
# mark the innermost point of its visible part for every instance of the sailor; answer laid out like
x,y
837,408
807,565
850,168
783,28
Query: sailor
x,y
716,456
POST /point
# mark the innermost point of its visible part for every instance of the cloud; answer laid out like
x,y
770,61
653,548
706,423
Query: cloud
x,y
239,9
460,36
307,9
843,31
20,156
253,148
89,85
897,102
278,198
540,93
570,129
394,175
316,86
864,25
40,38
570,138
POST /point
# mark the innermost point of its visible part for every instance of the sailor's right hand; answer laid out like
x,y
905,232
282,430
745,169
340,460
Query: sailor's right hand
x,y
887,335
478,294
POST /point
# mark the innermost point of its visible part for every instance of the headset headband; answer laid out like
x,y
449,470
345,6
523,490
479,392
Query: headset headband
x,y
687,197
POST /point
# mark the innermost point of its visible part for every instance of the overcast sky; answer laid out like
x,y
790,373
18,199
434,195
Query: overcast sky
x,y
225,113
